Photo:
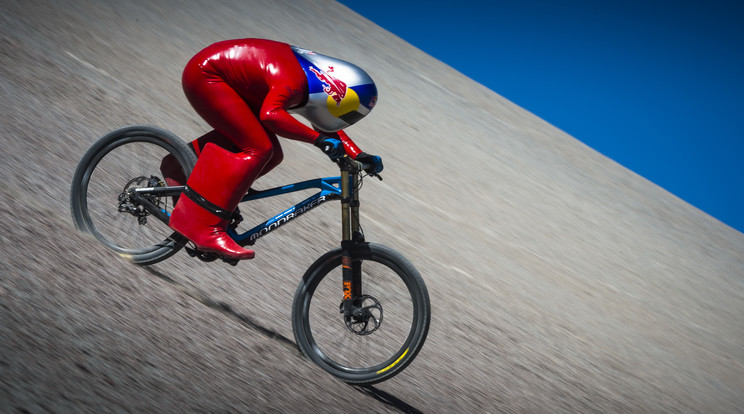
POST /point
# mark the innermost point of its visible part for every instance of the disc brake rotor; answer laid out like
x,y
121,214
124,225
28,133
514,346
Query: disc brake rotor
x,y
366,316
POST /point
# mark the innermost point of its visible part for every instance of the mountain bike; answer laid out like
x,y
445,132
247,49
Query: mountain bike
x,y
361,311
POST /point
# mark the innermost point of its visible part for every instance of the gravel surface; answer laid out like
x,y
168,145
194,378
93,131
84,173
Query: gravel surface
x,y
560,281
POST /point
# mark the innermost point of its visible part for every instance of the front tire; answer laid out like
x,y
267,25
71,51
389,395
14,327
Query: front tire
x,y
397,295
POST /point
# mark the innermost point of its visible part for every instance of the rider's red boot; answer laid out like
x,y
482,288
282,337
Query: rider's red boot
x,y
172,171
218,182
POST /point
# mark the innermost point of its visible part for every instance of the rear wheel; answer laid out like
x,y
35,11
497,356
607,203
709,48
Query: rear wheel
x,y
389,324
124,159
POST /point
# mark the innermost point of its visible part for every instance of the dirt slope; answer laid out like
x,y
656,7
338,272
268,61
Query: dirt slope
x,y
560,281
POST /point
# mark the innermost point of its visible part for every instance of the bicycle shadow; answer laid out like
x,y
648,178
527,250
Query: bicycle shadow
x,y
389,399
224,308
369,390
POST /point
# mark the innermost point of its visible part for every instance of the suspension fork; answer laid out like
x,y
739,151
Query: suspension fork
x,y
351,238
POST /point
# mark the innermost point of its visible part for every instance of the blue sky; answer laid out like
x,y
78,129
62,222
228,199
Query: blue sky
x,y
655,85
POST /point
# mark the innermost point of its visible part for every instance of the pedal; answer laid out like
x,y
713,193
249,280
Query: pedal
x,y
204,257
231,262
235,220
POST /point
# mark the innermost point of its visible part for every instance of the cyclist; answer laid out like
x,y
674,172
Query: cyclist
x,y
246,90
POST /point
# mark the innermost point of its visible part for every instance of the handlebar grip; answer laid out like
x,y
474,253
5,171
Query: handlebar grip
x,y
364,166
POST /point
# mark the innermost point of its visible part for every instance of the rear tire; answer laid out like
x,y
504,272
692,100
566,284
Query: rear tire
x,y
112,164
398,299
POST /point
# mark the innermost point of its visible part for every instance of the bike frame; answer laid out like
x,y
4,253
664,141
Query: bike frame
x,y
331,188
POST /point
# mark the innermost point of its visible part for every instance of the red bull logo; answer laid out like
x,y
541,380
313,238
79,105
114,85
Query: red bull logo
x,y
335,88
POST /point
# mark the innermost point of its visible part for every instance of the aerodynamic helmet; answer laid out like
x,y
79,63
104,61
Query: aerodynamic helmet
x,y
339,93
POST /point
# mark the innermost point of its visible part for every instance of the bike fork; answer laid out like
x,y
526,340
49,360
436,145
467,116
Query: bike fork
x,y
351,237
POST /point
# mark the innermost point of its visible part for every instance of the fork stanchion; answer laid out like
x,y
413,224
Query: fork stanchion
x,y
347,274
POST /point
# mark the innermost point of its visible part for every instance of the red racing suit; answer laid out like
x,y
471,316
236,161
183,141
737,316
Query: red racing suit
x,y
243,89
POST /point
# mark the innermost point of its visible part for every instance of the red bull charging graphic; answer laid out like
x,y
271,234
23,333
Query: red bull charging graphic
x,y
335,88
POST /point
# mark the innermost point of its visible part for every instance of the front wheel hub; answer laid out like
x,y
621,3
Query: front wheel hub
x,y
366,316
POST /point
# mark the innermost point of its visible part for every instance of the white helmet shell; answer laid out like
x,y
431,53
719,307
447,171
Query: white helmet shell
x,y
339,93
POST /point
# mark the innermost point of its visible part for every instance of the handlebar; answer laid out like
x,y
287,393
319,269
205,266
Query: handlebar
x,y
357,166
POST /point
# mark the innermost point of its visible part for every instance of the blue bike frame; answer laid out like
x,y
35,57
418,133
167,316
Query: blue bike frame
x,y
330,189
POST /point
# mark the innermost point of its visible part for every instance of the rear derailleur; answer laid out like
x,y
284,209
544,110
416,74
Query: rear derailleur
x,y
128,202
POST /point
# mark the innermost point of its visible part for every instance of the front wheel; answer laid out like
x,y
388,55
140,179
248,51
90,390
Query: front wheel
x,y
391,315
125,159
